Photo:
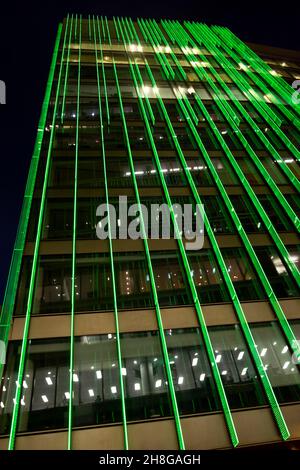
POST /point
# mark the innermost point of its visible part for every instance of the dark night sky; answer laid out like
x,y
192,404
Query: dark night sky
x,y
27,36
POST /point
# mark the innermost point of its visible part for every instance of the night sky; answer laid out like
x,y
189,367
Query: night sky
x,y
27,35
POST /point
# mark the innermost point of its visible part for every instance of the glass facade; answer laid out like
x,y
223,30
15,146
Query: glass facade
x,y
121,331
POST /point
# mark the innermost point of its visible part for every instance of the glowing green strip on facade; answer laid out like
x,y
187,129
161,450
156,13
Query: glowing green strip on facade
x,y
151,276
200,316
73,296
191,38
119,354
17,399
268,289
66,74
256,101
275,189
259,66
103,74
244,324
15,266
220,103
253,76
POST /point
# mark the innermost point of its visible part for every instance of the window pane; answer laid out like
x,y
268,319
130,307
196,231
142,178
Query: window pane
x,y
192,376
240,379
277,359
145,380
96,381
242,275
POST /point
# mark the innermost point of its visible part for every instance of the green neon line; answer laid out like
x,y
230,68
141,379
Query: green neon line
x,y
201,320
103,74
156,39
238,308
149,108
108,33
16,405
245,327
204,330
75,29
103,28
66,75
260,166
220,102
119,353
15,266
135,34
143,27
236,78
116,28
70,408
151,276
258,207
173,55
272,298
279,84
281,107
261,106
89,20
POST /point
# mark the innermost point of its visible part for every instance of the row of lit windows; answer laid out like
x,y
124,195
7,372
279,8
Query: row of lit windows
x,y
58,217
96,387
94,288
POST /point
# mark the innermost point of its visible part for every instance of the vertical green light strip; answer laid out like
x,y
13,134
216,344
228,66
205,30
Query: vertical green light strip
x,y
259,65
16,406
70,408
200,316
258,207
268,289
238,308
119,353
253,76
103,74
246,88
151,275
66,75
15,266
89,25
116,28
275,189
220,102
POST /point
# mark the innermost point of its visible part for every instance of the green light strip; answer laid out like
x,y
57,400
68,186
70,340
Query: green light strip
x,y
119,354
279,84
151,276
16,406
154,25
66,75
116,28
253,76
236,78
258,207
149,108
103,28
160,57
200,316
89,24
103,74
261,106
15,266
70,408
220,102
238,308
268,289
